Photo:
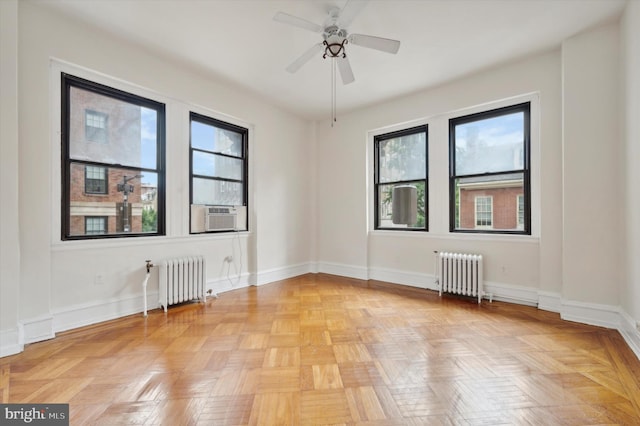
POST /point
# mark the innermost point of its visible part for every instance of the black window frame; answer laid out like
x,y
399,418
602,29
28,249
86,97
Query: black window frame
x,y
67,82
525,108
424,128
210,121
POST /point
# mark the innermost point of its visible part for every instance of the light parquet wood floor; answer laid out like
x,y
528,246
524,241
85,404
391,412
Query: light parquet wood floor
x,y
320,349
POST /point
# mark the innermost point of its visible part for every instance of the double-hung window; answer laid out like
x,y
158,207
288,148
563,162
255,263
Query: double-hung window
x,y
489,180
219,173
112,148
401,180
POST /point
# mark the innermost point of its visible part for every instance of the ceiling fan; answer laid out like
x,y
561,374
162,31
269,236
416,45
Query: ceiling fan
x,y
335,36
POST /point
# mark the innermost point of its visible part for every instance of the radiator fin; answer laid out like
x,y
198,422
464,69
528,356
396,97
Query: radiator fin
x,y
181,280
460,273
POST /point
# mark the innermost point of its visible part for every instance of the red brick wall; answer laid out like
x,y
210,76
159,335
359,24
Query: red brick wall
x,y
114,176
505,205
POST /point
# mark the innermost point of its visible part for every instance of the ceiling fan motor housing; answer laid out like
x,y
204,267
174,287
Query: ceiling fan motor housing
x,y
334,39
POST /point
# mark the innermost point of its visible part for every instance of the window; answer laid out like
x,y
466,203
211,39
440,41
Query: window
x,y
489,170
94,225
400,164
131,158
484,212
95,127
95,180
219,173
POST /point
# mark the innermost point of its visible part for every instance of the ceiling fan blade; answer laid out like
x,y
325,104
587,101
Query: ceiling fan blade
x,y
304,58
378,43
346,73
350,11
285,18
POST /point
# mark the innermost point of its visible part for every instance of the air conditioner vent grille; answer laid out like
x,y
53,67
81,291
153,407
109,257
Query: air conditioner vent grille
x,y
219,210
220,219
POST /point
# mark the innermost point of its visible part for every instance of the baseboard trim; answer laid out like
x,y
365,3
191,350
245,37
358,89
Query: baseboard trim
x,y
93,313
549,301
412,279
591,313
511,293
222,285
36,329
279,274
349,271
630,332
10,342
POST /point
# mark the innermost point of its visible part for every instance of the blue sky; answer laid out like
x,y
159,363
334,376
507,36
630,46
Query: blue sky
x,y
148,143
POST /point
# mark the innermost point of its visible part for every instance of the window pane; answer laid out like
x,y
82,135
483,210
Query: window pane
x,y
385,204
96,126
95,225
109,130
213,165
214,139
491,145
126,206
488,202
402,158
95,180
484,211
217,192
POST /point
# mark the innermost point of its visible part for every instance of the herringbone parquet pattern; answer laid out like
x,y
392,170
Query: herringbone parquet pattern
x,y
320,350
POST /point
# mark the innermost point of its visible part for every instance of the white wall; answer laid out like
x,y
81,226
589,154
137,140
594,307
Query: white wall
x,y
591,167
9,213
57,279
518,266
630,288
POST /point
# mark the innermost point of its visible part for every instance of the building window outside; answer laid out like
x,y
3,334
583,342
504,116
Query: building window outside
x,y
95,180
96,126
484,212
95,225
124,171
489,157
218,163
400,160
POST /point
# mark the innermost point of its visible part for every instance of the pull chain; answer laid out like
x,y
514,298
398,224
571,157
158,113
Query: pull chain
x,y
333,91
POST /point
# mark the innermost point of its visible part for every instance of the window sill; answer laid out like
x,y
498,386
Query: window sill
x,y
72,245
511,238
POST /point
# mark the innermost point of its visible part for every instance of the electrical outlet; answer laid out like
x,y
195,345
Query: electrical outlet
x,y
98,280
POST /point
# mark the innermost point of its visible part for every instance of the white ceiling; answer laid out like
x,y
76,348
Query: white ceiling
x,y
238,40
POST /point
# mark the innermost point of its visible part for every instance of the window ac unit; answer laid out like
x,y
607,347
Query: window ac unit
x,y
220,219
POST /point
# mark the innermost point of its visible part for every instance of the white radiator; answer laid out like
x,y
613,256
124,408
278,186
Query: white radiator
x,y
181,280
460,273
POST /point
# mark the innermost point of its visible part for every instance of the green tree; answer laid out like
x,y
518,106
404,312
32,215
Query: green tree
x,y
149,220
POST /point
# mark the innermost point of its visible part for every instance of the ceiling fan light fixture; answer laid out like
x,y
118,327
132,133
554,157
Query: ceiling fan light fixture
x,y
335,49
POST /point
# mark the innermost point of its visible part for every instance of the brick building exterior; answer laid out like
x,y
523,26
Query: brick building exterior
x,y
103,130
487,203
